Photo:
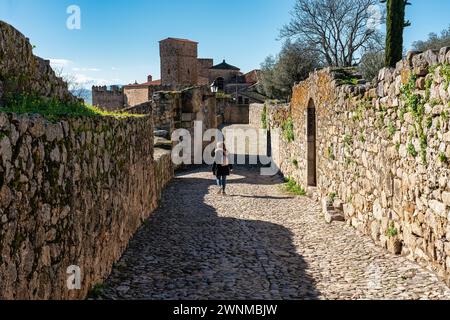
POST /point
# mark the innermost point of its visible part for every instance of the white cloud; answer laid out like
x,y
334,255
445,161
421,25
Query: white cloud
x,y
87,82
86,69
59,63
114,68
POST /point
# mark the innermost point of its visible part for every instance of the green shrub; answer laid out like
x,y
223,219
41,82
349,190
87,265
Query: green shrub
x,y
392,231
288,130
391,129
332,196
443,157
348,140
412,150
291,186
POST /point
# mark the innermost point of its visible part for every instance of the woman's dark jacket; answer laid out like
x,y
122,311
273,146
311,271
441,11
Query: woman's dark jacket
x,y
220,170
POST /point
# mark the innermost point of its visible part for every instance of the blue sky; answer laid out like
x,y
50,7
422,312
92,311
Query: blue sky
x,y
118,40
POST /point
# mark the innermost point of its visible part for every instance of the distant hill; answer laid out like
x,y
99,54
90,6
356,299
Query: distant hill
x,y
86,95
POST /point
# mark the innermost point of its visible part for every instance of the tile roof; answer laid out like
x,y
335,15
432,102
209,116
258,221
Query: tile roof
x,y
225,66
145,84
179,40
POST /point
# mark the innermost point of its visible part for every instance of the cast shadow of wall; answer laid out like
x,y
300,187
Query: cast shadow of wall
x,y
186,251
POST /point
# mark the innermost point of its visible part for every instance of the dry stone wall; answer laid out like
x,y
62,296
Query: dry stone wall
x,y
381,151
255,112
22,72
72,192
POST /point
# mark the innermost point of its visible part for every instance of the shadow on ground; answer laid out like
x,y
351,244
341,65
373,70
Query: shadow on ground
x,y
186,251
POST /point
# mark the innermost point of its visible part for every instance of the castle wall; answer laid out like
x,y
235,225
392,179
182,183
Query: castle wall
x,y
108,99
22,72
381,152
73,192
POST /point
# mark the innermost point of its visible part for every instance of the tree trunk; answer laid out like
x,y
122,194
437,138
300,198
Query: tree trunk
x,y
395,26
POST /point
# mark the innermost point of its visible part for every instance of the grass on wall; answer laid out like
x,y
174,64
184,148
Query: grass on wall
x,y
264,123
53,109
293,187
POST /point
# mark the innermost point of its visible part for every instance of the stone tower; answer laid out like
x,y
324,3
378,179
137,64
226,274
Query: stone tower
x,y
179,63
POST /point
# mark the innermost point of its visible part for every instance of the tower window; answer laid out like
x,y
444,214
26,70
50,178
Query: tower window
x,y
168,71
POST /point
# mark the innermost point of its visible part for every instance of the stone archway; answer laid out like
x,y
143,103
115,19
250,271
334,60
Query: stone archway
x,y
311,144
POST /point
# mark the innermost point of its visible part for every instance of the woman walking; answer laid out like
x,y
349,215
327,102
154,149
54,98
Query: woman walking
x,y
222,167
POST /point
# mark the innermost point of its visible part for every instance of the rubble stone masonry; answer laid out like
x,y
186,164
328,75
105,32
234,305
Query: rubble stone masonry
x,y
22,72
380,151
73,192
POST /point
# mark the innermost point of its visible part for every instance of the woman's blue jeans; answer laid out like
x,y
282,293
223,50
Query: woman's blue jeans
x,y
222,182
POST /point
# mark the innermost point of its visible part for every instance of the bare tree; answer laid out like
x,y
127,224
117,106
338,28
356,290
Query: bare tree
x,y
293,64
75,87
339,30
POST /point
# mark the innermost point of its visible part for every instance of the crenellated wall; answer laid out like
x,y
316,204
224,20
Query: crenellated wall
x,y
380,151
111,99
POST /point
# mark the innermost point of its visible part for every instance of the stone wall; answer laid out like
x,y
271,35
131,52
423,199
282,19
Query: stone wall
x,y
73,192
236,114
136,95
381,152
164,169
255,112
22,72
111,99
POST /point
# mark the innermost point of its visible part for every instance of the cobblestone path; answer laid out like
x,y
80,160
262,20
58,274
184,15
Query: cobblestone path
x,y
257,243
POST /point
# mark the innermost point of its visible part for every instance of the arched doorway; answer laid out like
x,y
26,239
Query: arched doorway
x,y
220,83
311,141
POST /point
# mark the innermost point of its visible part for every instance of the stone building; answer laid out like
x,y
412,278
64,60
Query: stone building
x,y
179,62
139,93
181,68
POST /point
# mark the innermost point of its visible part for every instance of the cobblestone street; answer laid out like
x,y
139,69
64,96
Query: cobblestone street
x,y
256,243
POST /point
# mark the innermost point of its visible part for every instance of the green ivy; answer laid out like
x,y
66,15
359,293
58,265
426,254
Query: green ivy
x,y
412,150
264,117
391,129
415,104
348,140
288,130
445,73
